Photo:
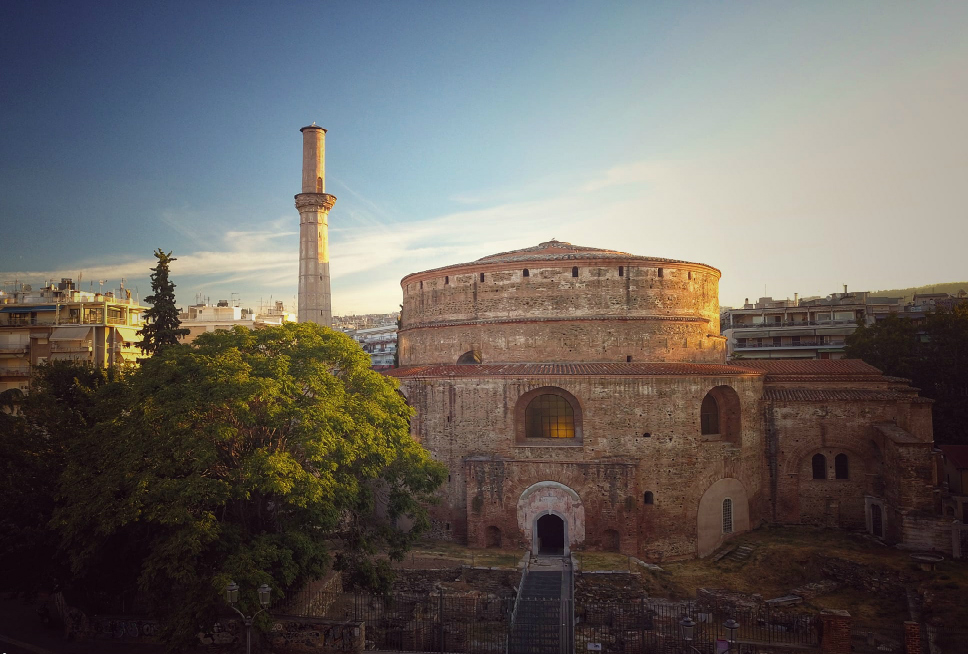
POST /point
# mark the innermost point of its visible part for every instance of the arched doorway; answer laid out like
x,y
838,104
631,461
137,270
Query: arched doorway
x,y
550,535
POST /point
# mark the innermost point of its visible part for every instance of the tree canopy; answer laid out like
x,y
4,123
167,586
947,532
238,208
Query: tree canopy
x,y
933,354
162,324
255,456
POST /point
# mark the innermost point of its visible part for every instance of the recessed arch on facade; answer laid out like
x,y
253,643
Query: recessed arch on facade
x,y
720,415
548,415
551,498
711,514
469,358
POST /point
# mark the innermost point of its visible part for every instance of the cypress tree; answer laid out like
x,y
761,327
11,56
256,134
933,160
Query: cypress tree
x,y
161,320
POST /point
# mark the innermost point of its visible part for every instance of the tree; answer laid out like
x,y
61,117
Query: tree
x,y
259,457
36,429
933,355
161,320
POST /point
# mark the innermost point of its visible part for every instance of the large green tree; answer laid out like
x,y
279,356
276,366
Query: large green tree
x,y
933,354
162,326
36,430
261,457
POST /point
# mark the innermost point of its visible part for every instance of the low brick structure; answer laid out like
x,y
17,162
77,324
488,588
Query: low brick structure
x,y
580,398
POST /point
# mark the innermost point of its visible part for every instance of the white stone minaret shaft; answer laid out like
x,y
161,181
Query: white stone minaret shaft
x,y
314,205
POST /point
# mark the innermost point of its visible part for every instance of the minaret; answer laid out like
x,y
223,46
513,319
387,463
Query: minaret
x,y
314,205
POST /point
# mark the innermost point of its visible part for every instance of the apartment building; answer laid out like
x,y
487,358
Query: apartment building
x,y
61,322
380,343
201,318
807,328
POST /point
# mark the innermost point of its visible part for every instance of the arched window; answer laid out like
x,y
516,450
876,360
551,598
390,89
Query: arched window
x,y
447,279
549,416
877,521
727,516
709,415
526,273
840,467
574,271
482,277
621,271
319,184
649,498
819,466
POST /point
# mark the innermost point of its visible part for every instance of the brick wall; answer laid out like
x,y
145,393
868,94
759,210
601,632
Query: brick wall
x,y
668,318
468,424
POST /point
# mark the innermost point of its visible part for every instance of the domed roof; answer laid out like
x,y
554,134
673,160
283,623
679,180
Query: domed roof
x,y
554,250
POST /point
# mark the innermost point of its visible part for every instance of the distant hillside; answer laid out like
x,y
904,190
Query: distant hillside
x,y
907,294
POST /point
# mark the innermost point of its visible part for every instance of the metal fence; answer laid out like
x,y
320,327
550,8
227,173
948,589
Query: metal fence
x,y
654,626
481,625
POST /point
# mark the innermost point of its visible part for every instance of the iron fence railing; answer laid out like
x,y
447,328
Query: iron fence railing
x,y
483,625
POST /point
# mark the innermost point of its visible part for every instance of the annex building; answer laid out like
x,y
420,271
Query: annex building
x,y
581,399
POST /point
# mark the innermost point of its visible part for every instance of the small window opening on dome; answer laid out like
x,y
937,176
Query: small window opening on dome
x,y
690,274
447,279
661,271
574,271
421,286
628,358
646,434
526,273
482,277
621,271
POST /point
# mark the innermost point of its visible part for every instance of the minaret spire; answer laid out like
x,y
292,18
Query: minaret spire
x,y
313,205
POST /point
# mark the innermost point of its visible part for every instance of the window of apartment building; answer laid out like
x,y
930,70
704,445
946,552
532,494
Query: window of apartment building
x,y
796,340
19,319
94,315
823,340
759,342
776,341
740,342
777,319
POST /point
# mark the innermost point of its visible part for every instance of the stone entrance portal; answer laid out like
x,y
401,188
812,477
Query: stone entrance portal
x,y
550,530
551,515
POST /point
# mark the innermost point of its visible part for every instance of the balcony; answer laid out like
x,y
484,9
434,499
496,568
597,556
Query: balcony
x,y
789,323
15,371
70,346
14,349
788,346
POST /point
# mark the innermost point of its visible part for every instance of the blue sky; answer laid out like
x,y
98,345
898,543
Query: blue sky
x,y
796,146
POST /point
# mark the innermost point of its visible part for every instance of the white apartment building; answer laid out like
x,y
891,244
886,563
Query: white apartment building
x,y
807,328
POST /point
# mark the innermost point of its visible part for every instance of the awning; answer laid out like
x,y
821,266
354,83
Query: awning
x,y
28,308
70,333
129,334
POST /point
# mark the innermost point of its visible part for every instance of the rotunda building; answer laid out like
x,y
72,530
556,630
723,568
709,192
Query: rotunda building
x,y
580,398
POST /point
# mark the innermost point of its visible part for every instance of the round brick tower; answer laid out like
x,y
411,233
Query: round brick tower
x,y
558,302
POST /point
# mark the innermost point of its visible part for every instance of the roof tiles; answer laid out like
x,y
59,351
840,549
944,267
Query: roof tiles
x,y
560,369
